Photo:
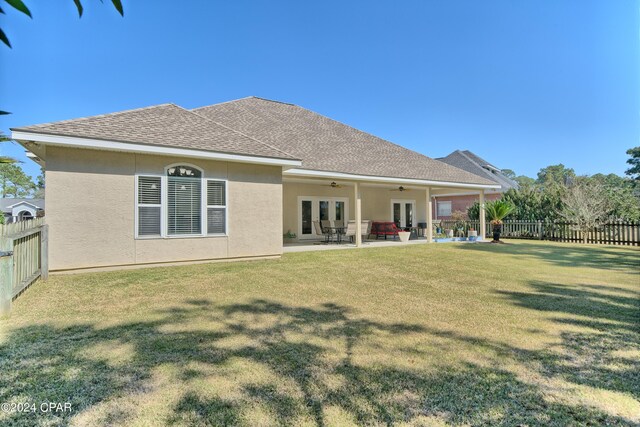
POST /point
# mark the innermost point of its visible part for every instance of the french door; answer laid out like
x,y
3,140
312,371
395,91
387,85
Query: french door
x,y
312,208
403,212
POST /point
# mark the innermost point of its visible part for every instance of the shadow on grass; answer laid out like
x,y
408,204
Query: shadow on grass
x,y
569,255
608,328
297,345
588,301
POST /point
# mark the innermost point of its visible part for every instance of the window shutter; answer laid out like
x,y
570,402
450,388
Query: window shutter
x,y
184,198
149,205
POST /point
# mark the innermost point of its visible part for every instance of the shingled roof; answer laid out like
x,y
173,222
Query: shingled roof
x,y
327,145
164,125
468,161
264,128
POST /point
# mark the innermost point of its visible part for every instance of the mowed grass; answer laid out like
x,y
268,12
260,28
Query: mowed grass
x,y
526,333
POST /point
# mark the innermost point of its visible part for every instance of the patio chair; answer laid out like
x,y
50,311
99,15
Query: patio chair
x,y
351,231
328,227
321,232
366,229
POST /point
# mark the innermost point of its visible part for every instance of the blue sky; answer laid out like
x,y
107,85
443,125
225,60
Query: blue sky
x,y
524,84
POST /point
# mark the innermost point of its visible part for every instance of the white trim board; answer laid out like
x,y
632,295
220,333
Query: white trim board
x,y
23,203
353,177
466,193
99,144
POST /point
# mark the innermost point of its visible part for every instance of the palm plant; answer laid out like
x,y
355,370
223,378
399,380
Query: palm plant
x,y
496,212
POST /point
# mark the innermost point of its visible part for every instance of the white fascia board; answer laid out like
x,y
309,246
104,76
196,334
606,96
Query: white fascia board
x,y
383,179
23,203
464,193
99,144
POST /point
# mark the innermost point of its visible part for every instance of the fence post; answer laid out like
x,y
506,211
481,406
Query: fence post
x,y
6,275
44,252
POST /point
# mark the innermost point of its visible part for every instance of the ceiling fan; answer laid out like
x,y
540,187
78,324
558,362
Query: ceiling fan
x,y
333,185
401,188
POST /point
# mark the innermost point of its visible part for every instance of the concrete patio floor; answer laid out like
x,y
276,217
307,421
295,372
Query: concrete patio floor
x,y
317,245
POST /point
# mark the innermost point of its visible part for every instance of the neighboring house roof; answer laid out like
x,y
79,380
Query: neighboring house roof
x,y
262,128
6,204
164,125
327,145
470,162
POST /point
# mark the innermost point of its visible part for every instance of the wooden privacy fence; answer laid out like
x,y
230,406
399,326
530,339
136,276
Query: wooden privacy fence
x,y
23,258
611,233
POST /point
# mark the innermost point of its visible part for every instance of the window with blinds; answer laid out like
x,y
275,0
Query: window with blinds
x,y
182,203
149,205
216,207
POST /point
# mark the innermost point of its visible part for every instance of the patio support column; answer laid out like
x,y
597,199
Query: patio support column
x,y
429,215
483,221
357,199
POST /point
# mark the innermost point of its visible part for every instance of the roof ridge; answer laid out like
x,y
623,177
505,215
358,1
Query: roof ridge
x,y
240,133
222,103
273,100
115,113
242,99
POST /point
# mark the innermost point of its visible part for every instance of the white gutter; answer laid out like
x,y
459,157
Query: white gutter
x,y
98,144
308,173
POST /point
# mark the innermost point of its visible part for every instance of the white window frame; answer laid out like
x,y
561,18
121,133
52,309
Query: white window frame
x,y
164,207
207,206
438,203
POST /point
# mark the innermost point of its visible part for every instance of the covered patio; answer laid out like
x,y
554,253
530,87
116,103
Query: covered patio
x,y
315,196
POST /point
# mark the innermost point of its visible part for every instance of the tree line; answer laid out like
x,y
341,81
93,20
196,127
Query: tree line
x,y
558,194
14,182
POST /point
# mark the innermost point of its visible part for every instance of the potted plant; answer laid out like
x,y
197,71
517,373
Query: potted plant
x,y
496,212
404,236
289,236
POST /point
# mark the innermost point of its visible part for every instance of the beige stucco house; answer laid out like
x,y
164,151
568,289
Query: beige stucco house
x,y
164,184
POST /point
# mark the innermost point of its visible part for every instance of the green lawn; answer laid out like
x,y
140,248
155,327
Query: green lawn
x,y
526,333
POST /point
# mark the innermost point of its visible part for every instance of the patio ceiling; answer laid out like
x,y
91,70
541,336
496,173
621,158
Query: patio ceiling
x,y
435,188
